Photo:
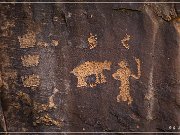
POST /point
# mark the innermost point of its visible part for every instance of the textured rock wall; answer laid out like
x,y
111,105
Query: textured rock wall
x,y
89,67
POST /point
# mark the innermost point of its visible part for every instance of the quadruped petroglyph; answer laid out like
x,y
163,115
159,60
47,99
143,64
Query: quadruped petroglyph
x,y
91,68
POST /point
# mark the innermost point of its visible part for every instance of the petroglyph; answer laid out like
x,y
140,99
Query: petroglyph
x,y
27,40
55,43
30,60
6,27
123,74
91,68
47,120
38,109
6,76
176,23
5,61
1,81
125,40
25,98
31,81
51,99
92,40
42,44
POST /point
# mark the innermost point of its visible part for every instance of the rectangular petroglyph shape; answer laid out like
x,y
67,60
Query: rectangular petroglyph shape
x,y
30,60
123,74
31,81
42,44
27,40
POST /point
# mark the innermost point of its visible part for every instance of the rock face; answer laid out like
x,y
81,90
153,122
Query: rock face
x,y
89,67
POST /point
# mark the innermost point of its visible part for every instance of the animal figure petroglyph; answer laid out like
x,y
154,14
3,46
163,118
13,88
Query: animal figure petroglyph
x,y
91,68
123,74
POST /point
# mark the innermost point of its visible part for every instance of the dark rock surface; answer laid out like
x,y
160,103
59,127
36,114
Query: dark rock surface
x,y
42,44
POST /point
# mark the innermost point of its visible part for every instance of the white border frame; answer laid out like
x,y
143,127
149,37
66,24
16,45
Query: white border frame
x,y
48,2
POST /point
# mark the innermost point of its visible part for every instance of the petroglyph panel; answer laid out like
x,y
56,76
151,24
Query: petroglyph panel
x,y
30,60
91,97
91,68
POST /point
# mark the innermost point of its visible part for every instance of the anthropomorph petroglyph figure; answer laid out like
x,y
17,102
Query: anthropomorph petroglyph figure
x,y
91,68
123,74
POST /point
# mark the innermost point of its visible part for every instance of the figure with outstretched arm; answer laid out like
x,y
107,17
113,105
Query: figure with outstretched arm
x,y
123,74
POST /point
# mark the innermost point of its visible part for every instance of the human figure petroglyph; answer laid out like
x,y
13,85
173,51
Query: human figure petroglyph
x,y
91,68
123,74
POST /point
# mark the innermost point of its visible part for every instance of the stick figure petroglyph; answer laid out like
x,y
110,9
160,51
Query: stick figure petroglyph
x,y
91,68
123,74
